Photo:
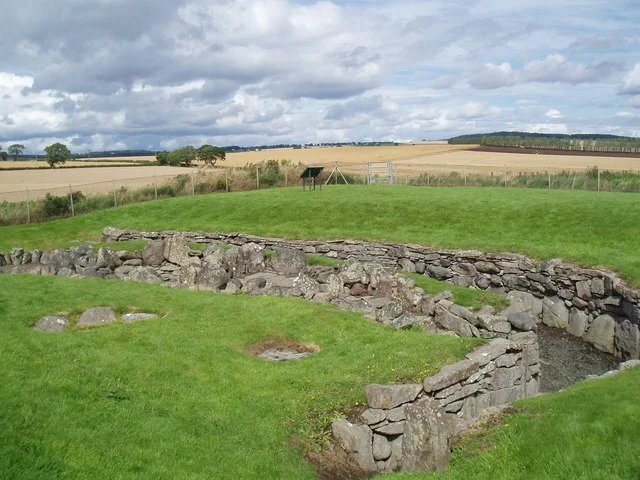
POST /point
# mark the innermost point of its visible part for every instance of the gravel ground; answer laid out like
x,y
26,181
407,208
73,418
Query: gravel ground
x,y
565,359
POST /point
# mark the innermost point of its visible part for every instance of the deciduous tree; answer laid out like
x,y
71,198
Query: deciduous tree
x,y
210,154
57,153
16,149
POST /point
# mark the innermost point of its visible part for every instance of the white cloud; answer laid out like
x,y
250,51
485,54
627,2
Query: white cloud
x,y
494,76
547,128
553,113
631,82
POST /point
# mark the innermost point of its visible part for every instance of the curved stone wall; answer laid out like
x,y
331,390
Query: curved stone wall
x,y
593,304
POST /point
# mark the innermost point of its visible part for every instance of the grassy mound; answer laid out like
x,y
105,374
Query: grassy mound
x,y
589,228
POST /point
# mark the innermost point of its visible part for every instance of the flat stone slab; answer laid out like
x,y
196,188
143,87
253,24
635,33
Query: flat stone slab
x,y
52,323
136,317
97,316
283,354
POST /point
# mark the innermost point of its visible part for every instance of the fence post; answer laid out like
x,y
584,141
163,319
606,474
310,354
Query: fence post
x,y
193,185
115,197
505,178
155,186
226,179
286,181
465,177
28,208
549,180
257,178
428,179
598,169
73,213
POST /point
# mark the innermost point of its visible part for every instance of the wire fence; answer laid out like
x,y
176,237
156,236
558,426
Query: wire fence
x,y
35,205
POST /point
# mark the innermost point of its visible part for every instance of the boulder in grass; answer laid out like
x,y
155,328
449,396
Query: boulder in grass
x,y
97,316
52,323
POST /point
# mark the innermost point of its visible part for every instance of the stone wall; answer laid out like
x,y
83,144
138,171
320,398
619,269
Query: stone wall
x,y
412,427
589,303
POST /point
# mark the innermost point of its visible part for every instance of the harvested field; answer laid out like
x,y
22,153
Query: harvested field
x,y
86,163
13,184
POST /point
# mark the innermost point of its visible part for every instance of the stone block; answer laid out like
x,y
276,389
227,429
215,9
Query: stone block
x,y
392,429
397,414
506,377
97,316
425,443
506,395
486,353
356,440
373,416
555,313
52,324
523,321
450,375
391,396
577,322
381,447
627,340
601,333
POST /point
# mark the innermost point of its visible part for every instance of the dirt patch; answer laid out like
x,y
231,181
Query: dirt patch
x,y
333,463
565,359
282,350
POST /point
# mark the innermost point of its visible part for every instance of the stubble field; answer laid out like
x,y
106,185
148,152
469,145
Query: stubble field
x,y
408,160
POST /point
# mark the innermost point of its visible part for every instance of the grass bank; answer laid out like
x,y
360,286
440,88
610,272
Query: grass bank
x,y
588,228
179,397
589,431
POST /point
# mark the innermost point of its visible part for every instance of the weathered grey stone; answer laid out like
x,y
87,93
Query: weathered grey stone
x,y
465,313
486,267
627,340
452,394
354,273
253,258
391,396
233,286
381,447
524,301
420,267
133,262
335,286
583,290
59,259
65,272
506,377
439,273
425,443
397,414
554,312
523,321
307,285
389,312
577,322
465,269
106,258
481,282
321,297
523,337
407,265
445,319
508,360
176,250
449,375
494,323
97,316
137,317
372,416
153,253
597,286
143,275
288,261
601,333
507,395
52,323
391,429
356,440
486,353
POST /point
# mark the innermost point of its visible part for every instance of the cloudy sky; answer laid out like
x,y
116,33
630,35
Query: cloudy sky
x,y
115,74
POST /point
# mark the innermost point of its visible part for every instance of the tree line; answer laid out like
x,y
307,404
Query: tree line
x,y
185,156
575,142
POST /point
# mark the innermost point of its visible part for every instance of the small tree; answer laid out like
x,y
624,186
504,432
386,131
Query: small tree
x,y
16,149
210,154
57,153
3,154
162,158
184,155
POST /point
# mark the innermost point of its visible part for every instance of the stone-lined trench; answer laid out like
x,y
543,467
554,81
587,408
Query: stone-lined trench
x,y
406,427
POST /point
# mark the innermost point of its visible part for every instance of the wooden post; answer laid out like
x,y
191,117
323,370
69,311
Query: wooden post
x,y
115,198
73,213
598,168
257,178
226,179
549,180
28,208
155,186
193,185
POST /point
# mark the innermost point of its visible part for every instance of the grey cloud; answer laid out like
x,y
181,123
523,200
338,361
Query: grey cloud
x,y
556,68
354,107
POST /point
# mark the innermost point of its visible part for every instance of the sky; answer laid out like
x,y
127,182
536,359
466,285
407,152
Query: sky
x,y
160,74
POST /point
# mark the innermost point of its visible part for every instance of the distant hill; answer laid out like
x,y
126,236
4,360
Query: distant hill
x,y
588,142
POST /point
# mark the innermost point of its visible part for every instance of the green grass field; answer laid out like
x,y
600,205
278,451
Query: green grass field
x,y
589,228
179,397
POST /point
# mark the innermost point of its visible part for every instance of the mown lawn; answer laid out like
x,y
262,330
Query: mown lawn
x,y
179,397
590,228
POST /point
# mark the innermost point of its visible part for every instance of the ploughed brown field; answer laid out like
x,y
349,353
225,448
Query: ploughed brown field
x,y
408,160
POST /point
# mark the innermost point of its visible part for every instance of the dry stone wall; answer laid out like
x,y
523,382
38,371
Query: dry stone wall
x,y
412,426
592,304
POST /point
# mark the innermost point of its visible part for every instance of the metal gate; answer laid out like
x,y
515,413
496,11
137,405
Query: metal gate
x,y
379,172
